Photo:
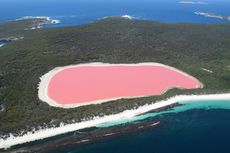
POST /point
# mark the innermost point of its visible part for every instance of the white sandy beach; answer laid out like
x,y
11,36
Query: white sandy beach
x,y
45,79
45,133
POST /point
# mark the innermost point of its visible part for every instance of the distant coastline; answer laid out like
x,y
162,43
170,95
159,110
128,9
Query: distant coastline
x,y
211,15
44,20
52,21
192,2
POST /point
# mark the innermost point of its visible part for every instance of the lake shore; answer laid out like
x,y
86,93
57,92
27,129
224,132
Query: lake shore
x,y
45,80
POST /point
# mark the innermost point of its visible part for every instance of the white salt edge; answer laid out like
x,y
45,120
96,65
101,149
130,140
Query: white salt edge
x,y
45,79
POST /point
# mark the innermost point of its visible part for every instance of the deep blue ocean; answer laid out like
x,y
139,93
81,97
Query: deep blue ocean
x,y
194,131
75,12
193,128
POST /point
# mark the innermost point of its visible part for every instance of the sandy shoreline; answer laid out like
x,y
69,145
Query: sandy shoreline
x,y
45,79
46,133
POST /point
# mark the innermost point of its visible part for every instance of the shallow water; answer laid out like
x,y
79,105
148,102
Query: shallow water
x,y
3,42
185,106
194,127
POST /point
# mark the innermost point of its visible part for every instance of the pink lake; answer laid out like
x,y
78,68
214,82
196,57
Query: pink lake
x,y
88,84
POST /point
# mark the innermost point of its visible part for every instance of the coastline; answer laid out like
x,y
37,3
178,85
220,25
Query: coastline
x,y
45,21
45,79
211,15
88,136
52,21
50,132
39,138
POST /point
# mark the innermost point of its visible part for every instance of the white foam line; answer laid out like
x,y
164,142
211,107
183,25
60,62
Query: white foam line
x,y
45,79
109,134
50,132
127,17
154,124
211,15
52,21
192,2
33,17
86,140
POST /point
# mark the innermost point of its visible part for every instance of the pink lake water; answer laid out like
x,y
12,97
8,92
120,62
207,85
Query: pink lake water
x,y
86,84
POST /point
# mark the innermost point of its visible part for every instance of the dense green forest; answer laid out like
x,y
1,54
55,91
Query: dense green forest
x,y
188,47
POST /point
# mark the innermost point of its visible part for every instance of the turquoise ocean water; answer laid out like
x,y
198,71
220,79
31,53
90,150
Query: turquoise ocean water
x,y
194,127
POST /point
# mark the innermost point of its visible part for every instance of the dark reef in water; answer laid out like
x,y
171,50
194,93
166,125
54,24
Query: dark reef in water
x,y
84,136
191,131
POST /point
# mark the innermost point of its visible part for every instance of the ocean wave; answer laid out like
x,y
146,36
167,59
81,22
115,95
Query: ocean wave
x,y
212,15
192,2
123,16
46,21
52,21
33,17
127,17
